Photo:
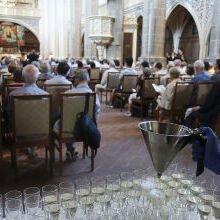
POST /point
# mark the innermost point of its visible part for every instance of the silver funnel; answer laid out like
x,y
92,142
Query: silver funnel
x,y
164,141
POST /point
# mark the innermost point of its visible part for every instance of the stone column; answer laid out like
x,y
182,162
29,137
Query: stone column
x,y
214,51
153,38
75,28
91,9
115,9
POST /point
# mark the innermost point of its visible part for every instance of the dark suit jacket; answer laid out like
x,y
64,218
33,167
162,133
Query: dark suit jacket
x,y
208,113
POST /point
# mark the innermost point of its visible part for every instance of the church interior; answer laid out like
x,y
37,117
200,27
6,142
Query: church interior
x,y
110,109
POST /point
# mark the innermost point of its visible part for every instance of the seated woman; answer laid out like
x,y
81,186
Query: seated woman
x,y
139,88
165,99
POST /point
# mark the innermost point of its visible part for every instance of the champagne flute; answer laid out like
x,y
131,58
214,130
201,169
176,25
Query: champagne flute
x,y
83,188
52,211
104,201
126,180
33,205
98,185
87,203
66,191
113,183
204,211
13,209
49,194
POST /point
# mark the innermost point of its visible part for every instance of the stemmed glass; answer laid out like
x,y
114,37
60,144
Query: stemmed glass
x,y
83,188
49,194
13,209
67,200
13,194
126,180
98,185
113,183
33,205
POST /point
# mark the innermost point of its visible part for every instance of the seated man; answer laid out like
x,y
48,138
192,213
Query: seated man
x,y
163,79
128,70
200,76
165,99
103,84
82,80
29,75
62,70
159,69
45,70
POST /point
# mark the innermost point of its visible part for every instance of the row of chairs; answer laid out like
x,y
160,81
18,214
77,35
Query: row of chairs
x,y
33,119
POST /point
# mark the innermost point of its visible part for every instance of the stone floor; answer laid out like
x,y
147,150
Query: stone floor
x,y
122,149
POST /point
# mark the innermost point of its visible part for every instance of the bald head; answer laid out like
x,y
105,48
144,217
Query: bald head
x,y
30,74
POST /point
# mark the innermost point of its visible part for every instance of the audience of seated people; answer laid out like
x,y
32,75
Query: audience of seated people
x,y
200,71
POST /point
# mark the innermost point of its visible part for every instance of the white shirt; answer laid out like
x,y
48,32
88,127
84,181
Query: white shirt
x,y
127,71
59,79
105,76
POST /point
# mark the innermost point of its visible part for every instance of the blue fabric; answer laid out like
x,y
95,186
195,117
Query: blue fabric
x,y
201,77
210,153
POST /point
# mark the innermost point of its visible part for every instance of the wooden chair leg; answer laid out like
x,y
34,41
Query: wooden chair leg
x,y
106,98
101,96
121,104
46,155
92,160
52,152
61,158
84,150
15,162
142,112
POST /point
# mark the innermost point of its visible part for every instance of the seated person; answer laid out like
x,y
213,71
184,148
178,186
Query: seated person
x,y
29,75
139,89
103,84
163,79
208,113
159,69
165,99
45,70
128,70
62,70
82,80
216,76
12,68
105,64
117,64
200,76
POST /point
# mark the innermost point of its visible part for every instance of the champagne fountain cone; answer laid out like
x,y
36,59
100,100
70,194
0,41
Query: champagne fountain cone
x,y
163,141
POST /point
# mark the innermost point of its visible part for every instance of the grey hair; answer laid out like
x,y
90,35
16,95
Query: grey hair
x,y
199,65
112,65
170,65
175,72
30,74
36,64
82,75
45,66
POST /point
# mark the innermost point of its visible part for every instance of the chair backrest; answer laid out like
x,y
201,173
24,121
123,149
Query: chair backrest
x,y
182,95
148,90
129,82
55,90
112,80
31,117
8,80
95,74
71,105
40,83
188,79
203,89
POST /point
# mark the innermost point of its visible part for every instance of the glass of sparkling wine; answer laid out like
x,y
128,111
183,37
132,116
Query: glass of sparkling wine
x,y
49,194
204,211
82,188
126,181
52,211
113,183
13,209
87,203
66,191
70,208
98,185
104,200
139,176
